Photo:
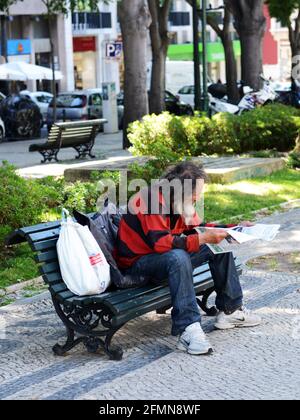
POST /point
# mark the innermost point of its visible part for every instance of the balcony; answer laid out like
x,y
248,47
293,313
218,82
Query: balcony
x,y
84,21
180,19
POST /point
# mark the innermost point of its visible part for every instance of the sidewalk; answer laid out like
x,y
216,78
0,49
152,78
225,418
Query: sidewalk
x,y
107,146
259,363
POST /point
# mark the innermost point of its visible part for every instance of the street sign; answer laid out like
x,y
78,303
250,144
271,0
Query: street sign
x,y
114,49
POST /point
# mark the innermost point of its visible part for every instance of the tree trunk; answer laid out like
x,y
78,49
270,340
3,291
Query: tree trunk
x,y
135,20
250,24
159,44
158,83
252,64
231,70
231,66
230,61
294,37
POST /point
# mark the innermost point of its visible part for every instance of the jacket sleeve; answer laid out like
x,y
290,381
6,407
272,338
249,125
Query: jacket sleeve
x,y
159,237
213,225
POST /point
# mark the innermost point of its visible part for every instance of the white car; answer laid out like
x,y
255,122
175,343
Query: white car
x,y
187,94
2,131
41,99
2,126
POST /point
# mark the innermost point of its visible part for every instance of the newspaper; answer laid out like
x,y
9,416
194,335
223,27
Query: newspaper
x,y
240,235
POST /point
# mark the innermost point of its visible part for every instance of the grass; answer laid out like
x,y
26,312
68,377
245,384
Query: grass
x,y
17,265
280,262
222,202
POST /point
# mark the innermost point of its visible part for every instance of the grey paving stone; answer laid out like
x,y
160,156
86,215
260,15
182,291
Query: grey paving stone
x,y
258,363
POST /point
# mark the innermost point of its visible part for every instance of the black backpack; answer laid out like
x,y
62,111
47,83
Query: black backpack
x,y
104,227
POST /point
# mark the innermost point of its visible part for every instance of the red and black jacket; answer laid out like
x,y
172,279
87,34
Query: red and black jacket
x,y
142,233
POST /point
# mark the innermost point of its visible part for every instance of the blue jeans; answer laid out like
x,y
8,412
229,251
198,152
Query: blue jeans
x,y
177,266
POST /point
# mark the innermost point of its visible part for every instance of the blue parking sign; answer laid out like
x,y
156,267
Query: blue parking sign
x,y
114,49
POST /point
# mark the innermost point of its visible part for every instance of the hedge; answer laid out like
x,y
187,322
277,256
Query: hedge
x,y
169,138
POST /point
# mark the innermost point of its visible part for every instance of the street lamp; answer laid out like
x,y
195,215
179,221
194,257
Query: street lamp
x,y
197,77
201,101
205,101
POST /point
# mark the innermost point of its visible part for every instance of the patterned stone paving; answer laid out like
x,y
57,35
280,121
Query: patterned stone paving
x,y
259,363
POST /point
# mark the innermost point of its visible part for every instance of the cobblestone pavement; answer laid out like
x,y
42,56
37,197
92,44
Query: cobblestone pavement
x,y
258,363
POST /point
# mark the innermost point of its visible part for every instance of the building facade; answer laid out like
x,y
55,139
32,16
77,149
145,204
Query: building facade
x,y
83,43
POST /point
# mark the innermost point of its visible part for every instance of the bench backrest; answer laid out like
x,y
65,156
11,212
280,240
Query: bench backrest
x,y
74,133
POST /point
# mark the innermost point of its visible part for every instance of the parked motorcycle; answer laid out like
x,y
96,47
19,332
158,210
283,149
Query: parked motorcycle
x,y
290,96
249,101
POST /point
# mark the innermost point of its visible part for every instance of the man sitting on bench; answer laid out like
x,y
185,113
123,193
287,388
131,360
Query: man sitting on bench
x,y
152,244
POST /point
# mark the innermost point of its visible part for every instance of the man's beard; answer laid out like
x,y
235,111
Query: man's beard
x,y
186,210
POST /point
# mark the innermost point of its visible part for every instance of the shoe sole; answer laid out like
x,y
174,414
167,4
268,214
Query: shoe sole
x,y
185,348
232,326
207,353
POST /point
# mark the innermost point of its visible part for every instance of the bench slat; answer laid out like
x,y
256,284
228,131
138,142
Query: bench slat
x,y
44,245
44,235
154,295
154,305
46,256
58,288
133,293
52,278
48,268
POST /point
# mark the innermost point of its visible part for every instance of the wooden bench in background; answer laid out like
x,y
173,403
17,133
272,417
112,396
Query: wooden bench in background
x,y
79,135
93,320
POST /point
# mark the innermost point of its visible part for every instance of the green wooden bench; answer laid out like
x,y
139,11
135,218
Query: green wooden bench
x,y
93,320
79,135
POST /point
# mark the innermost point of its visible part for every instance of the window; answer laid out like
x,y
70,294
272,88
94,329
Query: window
x,y
96,100
169,96
71,101
44,99
187,90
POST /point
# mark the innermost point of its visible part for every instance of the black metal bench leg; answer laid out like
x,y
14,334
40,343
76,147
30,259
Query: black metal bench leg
x,y
94,343
77,321
49,155
60,350
114,352
203,303
84,150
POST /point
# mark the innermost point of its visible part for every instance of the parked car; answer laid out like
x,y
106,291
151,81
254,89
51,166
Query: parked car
x,y
2,131
217,90
80,105
173,104
21,116
176,106
41,99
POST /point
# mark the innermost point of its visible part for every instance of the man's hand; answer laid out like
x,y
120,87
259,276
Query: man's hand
x,y
212,236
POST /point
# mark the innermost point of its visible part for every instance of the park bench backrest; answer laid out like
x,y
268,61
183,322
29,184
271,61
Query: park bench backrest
x,y
74,133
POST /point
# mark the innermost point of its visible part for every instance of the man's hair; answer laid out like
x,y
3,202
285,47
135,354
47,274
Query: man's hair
x,y
186,170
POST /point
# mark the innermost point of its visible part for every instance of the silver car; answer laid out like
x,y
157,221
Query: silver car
x,y
80,105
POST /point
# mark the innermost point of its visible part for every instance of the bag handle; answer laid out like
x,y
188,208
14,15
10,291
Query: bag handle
x,y
65,215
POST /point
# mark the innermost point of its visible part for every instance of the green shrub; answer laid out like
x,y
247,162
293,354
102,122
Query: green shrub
x,y
81,196
270,127
169,138
21,201
294,160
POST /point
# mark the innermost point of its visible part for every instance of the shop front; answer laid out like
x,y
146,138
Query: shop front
x,y
85,62
215,56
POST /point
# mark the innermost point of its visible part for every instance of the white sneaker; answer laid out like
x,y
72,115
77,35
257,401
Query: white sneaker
x,y
194,341
241,318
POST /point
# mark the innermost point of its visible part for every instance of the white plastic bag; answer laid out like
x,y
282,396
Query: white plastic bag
x,y
83,265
